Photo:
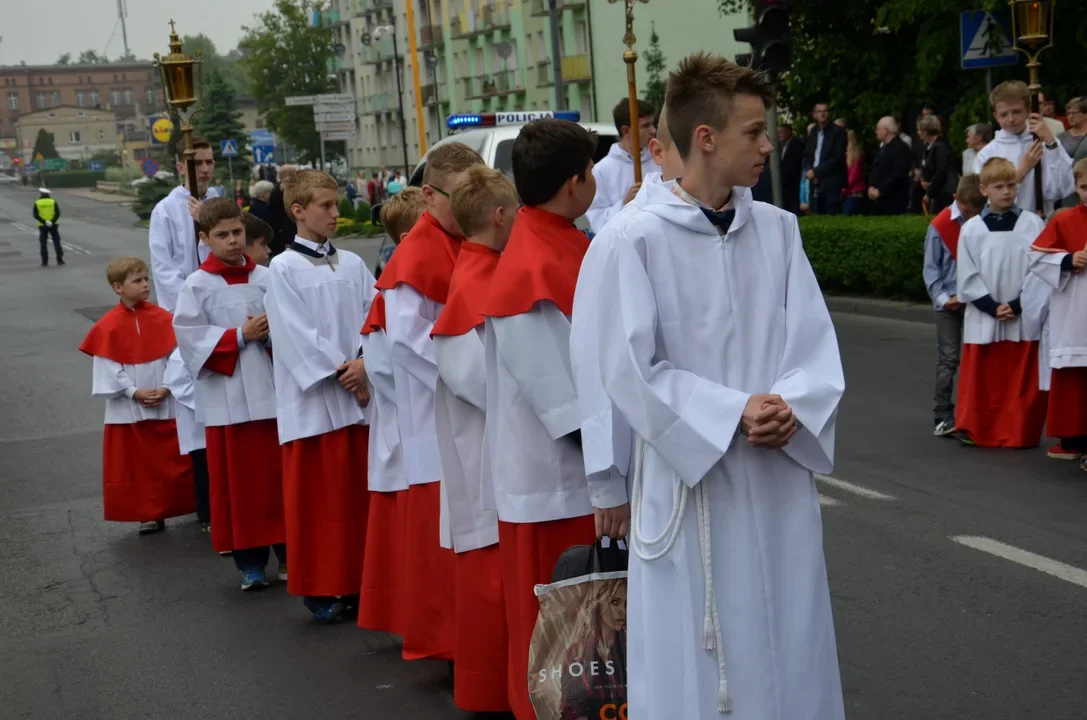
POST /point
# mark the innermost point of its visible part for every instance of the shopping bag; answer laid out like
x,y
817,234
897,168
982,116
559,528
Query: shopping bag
x,y
577,658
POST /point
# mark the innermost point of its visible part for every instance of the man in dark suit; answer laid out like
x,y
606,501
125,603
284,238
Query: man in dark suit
x,y
824,160
792,167
890,181
281,221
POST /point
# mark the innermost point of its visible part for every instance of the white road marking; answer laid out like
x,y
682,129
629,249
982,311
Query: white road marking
x,y
828,501
855,489
74,248
32,231
1051,567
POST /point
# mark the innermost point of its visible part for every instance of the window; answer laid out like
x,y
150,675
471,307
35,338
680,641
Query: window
x,y
54,99
150,96
115,97
80,98
128,97
50,81
101,136
13,101
80,113
73,137
94,98
40,97
41,81
123,77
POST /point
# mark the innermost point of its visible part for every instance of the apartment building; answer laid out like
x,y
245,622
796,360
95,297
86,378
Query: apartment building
x,y
78,133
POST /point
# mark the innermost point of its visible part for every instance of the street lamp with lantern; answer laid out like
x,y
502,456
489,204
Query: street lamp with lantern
x,y
1032,33
181,91
367,39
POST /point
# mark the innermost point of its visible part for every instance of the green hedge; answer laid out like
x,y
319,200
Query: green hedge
x,y
874,256
73,178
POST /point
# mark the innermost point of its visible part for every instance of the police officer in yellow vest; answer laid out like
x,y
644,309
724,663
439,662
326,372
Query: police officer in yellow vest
x,y
47,213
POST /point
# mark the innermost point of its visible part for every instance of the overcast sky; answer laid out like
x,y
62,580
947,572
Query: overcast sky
x,y
40,31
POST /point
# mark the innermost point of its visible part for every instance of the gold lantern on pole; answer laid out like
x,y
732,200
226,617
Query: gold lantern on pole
x,y
630,57
183,86
1032,33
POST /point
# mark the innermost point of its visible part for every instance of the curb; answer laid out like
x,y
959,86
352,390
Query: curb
x,y
886,309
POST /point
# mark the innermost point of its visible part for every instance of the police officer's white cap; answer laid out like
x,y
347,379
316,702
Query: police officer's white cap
x,y
45,191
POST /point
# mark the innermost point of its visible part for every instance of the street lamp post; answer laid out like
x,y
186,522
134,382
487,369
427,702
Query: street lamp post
x,y
378,33
1032,30
181,93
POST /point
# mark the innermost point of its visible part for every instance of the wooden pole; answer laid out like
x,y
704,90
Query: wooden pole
x,y
631,58
1036,107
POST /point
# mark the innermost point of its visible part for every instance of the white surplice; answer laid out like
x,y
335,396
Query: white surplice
x,y
409,318
176,252
1056,165
994,264
385,459
460,405
1067,308
1036,298
190,431
614,175
691,324
315,314
207,307
118,383
535,472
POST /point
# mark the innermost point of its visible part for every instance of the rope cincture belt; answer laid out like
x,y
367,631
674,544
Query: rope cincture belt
x,y
711,624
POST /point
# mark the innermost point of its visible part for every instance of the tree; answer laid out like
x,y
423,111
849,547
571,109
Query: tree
x,y
65,59
220,120
655,65
45,146
272,57
91,57
227,65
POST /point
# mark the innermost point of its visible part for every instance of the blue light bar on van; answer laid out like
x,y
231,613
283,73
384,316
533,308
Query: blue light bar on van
x,y
467,121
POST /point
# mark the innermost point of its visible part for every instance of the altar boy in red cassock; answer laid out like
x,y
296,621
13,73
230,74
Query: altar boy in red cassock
x,y
1058,258
534,466
1000,403
145,478
484,206
382,597
221,331
415,285
318,298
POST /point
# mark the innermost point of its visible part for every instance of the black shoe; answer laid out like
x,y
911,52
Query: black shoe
x,y
60,261
45,263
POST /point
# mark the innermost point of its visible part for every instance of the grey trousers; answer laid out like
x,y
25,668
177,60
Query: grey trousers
x,y
948,351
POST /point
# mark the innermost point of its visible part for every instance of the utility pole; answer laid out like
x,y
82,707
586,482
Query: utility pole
x,y
556,55
122,11
400,96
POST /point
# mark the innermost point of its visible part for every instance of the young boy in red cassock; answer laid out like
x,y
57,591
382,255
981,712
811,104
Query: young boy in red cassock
x,y
222,332
1058,258
318,298
145,478
415,286
484,206
999,404
382,598
533,437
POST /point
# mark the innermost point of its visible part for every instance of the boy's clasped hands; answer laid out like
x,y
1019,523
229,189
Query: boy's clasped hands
x,y
768,422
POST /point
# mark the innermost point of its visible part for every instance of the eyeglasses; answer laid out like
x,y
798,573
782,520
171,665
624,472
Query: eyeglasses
x,y
438,190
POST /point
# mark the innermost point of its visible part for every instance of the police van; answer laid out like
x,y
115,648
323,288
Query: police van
x,y
492,135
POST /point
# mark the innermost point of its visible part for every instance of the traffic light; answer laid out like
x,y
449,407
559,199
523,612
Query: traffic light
x,y
769,38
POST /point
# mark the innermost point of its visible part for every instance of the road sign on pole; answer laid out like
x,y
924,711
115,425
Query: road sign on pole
x,y
263,154
149,167
297,100
336,97
228,148
985,41
334,117
337,136
96,166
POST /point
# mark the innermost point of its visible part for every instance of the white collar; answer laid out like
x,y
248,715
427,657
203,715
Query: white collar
x,y
318,247
955,212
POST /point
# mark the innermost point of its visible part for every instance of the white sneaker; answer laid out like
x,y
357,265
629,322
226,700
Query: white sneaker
x,y
944,428
151,526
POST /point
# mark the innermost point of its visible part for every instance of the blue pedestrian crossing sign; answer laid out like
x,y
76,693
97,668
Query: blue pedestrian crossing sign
x,y
985,41
228,148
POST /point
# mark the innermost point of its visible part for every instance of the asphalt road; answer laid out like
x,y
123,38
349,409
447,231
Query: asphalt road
x,y
958,575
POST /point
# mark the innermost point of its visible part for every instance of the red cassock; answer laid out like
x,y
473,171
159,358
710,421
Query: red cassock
x,y
144,475
541,262
424,261
382,593
1067,412
999,403
325,505
480,677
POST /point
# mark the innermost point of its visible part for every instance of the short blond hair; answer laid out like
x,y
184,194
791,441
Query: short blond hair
x,y
122,268
1079,169
475,199
299,188
1009,92
449,159
400,212
968,192
998,170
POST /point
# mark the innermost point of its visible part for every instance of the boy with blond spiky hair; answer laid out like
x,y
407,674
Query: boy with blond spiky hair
x,y
318,298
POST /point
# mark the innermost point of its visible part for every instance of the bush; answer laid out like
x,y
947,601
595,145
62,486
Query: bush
x,y
73,178
876,256
148,196
362,214
122,175
347,210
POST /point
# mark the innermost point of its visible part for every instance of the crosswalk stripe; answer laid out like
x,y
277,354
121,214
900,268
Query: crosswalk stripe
x,y
1023,557
828,501
855,489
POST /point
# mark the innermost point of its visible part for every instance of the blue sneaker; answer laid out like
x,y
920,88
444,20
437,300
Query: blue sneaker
x,y
254,580
326,613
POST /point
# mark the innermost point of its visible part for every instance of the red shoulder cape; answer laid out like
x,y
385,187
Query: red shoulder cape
x,y
131,337
541,262
423,260
467,290
375,320
949,231
233,274
1067,232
